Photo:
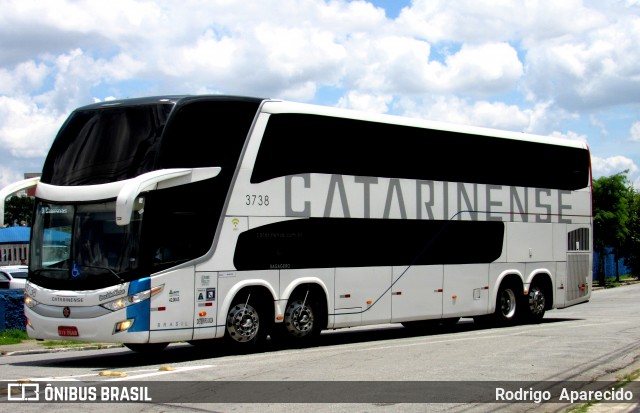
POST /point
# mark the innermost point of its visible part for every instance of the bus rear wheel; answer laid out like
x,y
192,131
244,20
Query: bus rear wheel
x,y
302,322
299,319
537,304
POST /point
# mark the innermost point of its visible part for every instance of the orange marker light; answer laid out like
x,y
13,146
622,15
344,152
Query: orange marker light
x,y
202,313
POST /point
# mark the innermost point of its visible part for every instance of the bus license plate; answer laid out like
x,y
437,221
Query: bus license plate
x,y
64,331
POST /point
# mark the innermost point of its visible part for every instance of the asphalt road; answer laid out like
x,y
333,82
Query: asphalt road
x,y
599,340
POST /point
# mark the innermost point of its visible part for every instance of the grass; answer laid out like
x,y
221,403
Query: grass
x,y
584,408
610,282
16,336
631,377
12,336
65,343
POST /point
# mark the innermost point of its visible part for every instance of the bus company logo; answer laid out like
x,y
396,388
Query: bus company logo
x,y
58,299
66,312
49,210
28,392
111,294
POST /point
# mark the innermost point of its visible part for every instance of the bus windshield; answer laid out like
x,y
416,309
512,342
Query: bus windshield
x,y
81,247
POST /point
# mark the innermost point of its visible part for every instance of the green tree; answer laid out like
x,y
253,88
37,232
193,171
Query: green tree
x,y
610,217
631,248
18,209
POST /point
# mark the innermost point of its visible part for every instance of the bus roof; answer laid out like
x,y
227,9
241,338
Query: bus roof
x,y
279,107
174,99
275,106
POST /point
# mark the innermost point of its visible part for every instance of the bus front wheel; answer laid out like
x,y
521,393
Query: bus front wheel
x,y
507,305
245,323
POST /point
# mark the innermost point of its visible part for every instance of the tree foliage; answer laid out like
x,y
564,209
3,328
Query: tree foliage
x,y
18,209
612,216
631,247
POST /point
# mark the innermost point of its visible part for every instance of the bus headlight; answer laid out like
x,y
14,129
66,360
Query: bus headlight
x,y
30,302
123,326
124,302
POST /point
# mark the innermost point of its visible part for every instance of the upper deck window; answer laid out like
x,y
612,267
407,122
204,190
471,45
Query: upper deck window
x,y
106,145
304,143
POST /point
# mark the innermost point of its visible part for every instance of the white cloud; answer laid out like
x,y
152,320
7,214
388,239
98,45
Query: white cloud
x,y
634,133
462,21
469,21
403,65
590,69
613,165
484,69
9,176
25,129
570,135
580,54
497,115
24,78
365,102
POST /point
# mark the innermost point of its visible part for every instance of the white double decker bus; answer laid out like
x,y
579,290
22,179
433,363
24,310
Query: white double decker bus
x,y
185,218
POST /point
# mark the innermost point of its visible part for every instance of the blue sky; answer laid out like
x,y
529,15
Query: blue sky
x,y
567,69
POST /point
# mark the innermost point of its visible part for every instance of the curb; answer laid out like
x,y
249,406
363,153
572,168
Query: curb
x,y
622,284
59,350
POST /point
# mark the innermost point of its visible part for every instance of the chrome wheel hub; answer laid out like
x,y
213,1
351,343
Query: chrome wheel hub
x,y
299,319
243,323
537,301
508,304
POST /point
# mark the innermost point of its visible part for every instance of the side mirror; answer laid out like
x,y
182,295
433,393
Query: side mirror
x,y
12,189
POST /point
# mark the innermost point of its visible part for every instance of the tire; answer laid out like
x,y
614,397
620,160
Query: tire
x,y
149,348
507,305
536,304
246,322
302,322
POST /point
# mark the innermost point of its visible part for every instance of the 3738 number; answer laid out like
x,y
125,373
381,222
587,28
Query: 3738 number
x,y
260,200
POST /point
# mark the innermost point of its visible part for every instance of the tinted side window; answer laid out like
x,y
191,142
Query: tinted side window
x,y
204,133
349,242
320,144
180,223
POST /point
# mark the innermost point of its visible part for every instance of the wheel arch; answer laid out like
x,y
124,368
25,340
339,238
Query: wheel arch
x,y
543,278
301,282
264,289
507,276
314,283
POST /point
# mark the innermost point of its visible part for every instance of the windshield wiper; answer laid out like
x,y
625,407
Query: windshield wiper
x,y
112,272
38,271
